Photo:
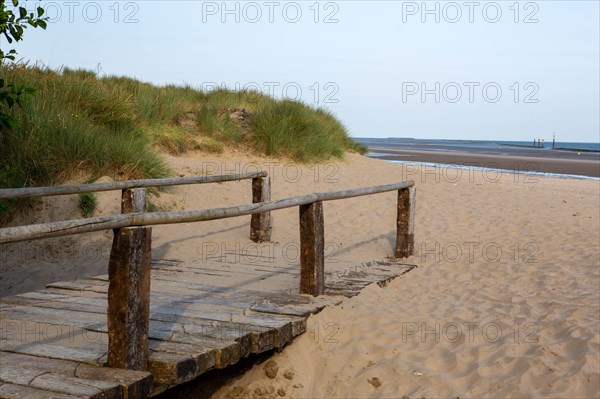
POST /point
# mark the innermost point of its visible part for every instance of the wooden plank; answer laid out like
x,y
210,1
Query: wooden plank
x,y
134,384
81,285
186,304
166,365
173,368
156,297
283,326
294,305
12,391
350,282
48,381
234,299
266,334
257,335
165,357
73,304
191,353
251,338
164,281
260,223
89,321
202,293
46,317
190,282
129,292
405,239
239,270
226,349
312,249
84,355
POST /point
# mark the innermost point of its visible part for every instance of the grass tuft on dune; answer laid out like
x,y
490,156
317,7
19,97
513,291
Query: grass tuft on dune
x,y
79,126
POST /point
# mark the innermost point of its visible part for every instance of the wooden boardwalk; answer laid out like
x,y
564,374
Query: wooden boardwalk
x,y
203,315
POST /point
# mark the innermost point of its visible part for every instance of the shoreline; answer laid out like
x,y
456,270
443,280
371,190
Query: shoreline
x,y
529,164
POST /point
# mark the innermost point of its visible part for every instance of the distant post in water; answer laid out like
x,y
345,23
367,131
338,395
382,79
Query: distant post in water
x,y
129,289
260,223
312,249
405,222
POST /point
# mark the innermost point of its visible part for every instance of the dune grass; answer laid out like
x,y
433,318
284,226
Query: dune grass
x,y
80,126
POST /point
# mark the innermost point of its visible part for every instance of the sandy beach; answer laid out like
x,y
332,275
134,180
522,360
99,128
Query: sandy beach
x,y
504,302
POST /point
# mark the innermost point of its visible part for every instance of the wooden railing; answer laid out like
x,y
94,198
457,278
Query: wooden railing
x,y
129,263
133,199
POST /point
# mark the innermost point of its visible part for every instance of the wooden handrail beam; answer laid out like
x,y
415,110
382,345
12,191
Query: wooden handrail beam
x,y
29,192
69,227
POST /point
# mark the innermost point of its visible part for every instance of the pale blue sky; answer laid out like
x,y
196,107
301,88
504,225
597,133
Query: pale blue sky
x,y
369,64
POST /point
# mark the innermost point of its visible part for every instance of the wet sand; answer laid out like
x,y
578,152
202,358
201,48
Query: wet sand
x,y
560,162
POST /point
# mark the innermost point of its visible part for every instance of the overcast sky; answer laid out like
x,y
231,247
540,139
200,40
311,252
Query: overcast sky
x,y
466,70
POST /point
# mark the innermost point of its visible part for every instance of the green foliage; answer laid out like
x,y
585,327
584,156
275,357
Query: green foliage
x,y
211,146
7,206
294,129
9,96
274,127
172,139
12,26
87,204
79,125
75,125
215,122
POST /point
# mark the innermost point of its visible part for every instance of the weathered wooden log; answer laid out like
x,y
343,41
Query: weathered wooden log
x,y
260,224
129,298
405,223
129,289
69,227
312,249
133,200
124,184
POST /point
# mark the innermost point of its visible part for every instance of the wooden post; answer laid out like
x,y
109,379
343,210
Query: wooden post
x,y
260,223
129,289
405,223
133,200
312,249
